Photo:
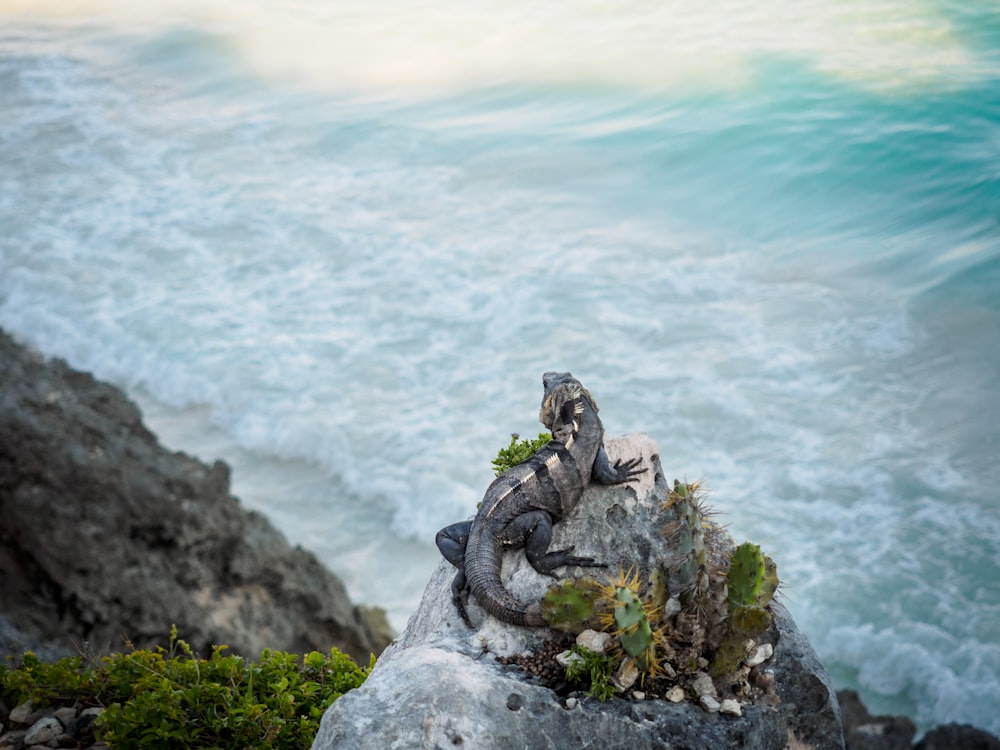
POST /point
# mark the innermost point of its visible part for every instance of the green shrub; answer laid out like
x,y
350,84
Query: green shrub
x,y
171,698
518,451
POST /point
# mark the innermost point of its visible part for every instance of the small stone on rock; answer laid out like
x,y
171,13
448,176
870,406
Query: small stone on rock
x,y
760,655
675,694
571,703
22,713
710,704
593,640
731,706
568,657
703,685
12,739
626,675
638,695
42,731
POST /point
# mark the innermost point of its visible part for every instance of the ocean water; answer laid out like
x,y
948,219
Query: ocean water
x,y
337,244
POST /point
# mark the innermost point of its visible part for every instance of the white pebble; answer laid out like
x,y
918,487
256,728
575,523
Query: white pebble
x,y
675,694
571,703
626,675
593,640
568,657
731,706
710,704
638,695
703,685
760,655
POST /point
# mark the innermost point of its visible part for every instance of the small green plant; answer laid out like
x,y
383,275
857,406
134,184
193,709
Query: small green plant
x,y
45,683
593,668
170,698
518,451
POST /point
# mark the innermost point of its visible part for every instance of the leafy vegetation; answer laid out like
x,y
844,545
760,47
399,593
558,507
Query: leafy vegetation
x,y
171,698
593,668
518,451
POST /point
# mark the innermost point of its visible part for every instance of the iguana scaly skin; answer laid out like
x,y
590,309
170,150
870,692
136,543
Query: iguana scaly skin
x,y
523,503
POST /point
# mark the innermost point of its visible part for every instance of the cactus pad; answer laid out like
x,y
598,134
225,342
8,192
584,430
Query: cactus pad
x,y
746,575
569,604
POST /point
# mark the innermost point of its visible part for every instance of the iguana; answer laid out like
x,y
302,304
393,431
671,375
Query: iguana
x,y
521,504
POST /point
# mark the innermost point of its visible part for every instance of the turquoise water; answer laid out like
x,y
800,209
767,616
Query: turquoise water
x,y
338,247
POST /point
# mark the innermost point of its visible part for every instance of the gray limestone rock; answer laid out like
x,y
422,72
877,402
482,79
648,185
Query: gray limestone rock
x,y
105,534
42,731
958,737
440,684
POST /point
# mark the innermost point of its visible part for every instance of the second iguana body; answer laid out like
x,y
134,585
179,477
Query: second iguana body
x,y
523,503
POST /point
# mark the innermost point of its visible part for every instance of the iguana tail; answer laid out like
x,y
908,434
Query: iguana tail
x,y
489,591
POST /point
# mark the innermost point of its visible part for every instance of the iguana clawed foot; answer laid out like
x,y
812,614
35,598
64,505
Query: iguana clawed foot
x,y
559,558
629,470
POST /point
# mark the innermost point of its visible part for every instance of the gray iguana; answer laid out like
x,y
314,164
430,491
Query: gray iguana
x,y
523,503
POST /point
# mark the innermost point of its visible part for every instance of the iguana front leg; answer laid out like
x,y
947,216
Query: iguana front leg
x,y
619,473
452,541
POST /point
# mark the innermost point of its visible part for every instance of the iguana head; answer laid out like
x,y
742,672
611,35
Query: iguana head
x,y
561,401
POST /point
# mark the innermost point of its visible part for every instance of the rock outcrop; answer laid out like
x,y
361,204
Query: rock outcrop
x,y
105,536
862,731
443,685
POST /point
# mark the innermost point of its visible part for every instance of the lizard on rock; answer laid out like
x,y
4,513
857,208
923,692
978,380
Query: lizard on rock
x,y
523,503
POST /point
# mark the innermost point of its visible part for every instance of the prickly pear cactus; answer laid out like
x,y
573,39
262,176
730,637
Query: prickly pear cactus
x,y
769,587
699,610
569,605
746,575
689,571
753,580
634,631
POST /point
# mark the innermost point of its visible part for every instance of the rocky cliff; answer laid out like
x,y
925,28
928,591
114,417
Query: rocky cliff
x,y
106,536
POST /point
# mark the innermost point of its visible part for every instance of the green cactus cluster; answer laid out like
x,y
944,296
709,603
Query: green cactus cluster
x,y
689,609
573,605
